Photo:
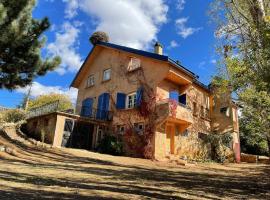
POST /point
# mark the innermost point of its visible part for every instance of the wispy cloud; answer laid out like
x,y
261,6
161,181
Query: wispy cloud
x,y
173,44
180,4
131,23
183,30
65,44
202,65
213,61
38,89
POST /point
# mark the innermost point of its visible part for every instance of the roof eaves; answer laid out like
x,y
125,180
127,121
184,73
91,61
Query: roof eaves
x,y
135,51
182,67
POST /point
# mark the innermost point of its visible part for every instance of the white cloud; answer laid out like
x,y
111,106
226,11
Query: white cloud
x,y
173,44
180,5
182,29
65,46
38,89
71,9
213,61
202,64
131,23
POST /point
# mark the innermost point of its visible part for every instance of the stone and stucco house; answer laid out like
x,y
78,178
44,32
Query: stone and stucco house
x,y
114,80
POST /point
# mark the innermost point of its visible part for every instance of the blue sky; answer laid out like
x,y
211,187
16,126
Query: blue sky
x,y
181,26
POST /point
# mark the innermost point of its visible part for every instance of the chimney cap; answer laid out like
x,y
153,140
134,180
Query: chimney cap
x,y
158,44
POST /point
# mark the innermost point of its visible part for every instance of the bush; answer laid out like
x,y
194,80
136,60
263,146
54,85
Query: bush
x,y
220,144
13,116
111,145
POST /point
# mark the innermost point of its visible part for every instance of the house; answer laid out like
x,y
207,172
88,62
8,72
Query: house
x,y
137,91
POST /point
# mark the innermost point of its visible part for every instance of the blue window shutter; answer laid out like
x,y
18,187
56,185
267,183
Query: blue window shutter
x,y
139,95
99,107
103,106
183,99
121,101
174,95
87,105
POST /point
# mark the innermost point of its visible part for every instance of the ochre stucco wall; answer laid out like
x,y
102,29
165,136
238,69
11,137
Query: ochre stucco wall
x,y
156,73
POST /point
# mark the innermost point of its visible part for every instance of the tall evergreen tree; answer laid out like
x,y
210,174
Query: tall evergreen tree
x,y
21,41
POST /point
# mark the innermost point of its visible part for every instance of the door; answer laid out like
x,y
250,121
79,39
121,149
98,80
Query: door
x,y
170,139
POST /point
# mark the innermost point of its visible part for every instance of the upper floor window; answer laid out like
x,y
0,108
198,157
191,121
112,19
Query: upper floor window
x,y
225,111
106,74
131,100
133,64
90,81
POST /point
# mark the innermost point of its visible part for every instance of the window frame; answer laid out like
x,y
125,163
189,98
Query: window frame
x,y
134,100
110,74
92,76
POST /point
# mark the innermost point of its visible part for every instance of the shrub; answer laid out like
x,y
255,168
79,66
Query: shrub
x,y
13,116
111,145
220,144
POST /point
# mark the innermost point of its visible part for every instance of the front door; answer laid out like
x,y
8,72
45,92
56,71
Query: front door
x,y
169,139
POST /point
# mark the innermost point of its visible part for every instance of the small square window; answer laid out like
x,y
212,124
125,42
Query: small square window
x,y
134,63
90,81
139,127
120,129
106,74
131,100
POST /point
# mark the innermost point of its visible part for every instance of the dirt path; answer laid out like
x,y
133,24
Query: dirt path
x,y
36,173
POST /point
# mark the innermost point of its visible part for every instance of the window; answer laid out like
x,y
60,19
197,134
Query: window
x,y
225,111
68,125
106,74
120,129
134,63
139,128
90,81
131,100
195,111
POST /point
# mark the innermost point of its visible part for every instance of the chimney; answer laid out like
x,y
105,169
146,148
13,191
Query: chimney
x,y
158,48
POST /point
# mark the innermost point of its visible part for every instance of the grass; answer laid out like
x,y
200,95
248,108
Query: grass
x,y
36,173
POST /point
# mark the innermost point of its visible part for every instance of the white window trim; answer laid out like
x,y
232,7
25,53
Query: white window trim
x,y
106,71
90,80
134,100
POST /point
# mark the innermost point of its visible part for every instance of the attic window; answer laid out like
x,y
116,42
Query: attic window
x,y
133,64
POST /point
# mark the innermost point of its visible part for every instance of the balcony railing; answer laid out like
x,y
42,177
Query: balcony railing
x,y
175,110
96,114
44,109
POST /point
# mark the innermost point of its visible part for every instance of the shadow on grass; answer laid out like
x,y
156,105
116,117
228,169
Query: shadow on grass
x,y
125,180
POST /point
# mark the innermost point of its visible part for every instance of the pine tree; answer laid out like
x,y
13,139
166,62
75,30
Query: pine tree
x,y
21,41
